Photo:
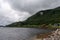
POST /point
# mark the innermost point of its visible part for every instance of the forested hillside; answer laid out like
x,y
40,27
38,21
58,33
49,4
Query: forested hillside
x,y
50,16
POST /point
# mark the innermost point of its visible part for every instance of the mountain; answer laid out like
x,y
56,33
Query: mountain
x,y
49,16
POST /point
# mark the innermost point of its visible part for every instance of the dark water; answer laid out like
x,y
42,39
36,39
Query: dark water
x,y
19,33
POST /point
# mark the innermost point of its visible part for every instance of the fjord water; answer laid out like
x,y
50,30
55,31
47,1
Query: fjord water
x,y
19,33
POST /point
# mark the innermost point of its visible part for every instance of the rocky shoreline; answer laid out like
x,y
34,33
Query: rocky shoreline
x,y
54,35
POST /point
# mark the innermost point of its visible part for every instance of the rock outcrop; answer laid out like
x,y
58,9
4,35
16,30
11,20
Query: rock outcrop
x,y
54,35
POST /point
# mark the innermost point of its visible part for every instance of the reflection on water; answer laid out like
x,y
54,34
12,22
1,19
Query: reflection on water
x,y
19,33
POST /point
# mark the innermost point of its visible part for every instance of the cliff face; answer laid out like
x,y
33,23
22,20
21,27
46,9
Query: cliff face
x,y
55,35
50,16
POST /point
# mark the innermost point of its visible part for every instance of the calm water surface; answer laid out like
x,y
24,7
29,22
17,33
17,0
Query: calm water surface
x,y
19,33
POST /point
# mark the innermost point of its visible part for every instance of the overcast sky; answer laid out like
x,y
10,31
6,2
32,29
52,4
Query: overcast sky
x,y
19,10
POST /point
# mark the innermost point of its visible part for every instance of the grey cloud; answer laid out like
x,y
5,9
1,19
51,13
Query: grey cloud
x,y
8,15
34,5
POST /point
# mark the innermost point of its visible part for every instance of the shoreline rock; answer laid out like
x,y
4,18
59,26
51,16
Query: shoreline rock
x,y
54,35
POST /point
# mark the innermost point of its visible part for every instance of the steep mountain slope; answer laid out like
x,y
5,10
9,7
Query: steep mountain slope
x,y
50,16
